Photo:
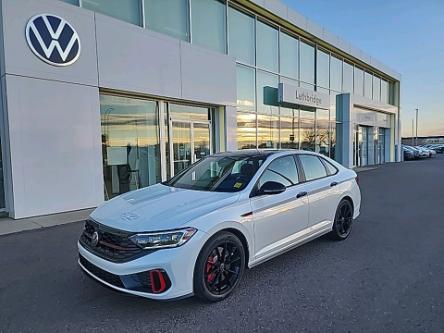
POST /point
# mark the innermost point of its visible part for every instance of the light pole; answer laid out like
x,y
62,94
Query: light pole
x,y
412,141
416,140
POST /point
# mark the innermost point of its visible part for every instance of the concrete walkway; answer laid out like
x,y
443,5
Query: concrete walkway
x,y
9,226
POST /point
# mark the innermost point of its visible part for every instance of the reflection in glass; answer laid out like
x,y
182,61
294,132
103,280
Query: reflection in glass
x,y
323,69
201,139
268,131
307,130
335,74
241,36
130,142
289,55
246,130
187,112
266,95
245,88
267,47
126,10
332,138
307,63
289,128
181,145
208,22
169,17
347,83
322,132
359,82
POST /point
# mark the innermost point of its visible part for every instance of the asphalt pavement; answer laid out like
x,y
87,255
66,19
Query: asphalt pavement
x,y
387,277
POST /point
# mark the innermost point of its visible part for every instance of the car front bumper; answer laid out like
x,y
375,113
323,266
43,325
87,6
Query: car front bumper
x,y
178,263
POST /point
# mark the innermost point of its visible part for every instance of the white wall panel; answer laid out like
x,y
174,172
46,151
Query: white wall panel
x,y
55,146
135,59
19,58
207,76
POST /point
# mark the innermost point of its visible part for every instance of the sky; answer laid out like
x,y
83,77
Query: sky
x,y
406,35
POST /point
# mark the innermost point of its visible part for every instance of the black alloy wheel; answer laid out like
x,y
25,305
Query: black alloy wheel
x,y
219,267
343,221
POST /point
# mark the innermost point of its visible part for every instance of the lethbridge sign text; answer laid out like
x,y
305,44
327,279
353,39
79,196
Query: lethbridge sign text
x,y
295,96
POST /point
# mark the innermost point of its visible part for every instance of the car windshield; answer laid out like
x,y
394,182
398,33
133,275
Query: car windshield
x,y
219,173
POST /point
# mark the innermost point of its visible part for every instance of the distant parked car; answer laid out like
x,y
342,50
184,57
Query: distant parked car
x,y
439,148
409,154
424,152
416,153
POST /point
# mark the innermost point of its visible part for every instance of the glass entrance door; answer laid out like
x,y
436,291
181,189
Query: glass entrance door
x,y
181,146
190,141
380,154
362,146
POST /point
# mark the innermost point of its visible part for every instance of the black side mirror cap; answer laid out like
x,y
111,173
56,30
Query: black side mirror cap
x,y
271,187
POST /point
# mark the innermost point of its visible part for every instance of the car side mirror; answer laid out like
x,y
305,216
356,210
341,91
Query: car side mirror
x,y
271,188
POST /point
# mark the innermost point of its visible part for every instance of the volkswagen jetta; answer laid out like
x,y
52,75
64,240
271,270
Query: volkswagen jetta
x,y
199,231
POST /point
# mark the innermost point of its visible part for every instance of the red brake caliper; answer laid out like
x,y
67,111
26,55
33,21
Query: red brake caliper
x,y
210,264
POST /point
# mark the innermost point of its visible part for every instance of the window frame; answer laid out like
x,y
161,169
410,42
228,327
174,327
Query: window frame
x,y
300,167
255,189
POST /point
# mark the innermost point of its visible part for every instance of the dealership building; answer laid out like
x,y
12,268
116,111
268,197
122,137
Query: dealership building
x,y
100,97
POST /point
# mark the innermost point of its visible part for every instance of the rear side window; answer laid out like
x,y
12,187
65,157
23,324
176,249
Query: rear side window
x,y
282,170
313,167
330,167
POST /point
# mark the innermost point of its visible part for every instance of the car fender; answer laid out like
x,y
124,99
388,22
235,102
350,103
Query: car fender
x,y
245,228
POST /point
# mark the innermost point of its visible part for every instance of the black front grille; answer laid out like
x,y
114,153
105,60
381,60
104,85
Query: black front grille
x,y
113,245
101,274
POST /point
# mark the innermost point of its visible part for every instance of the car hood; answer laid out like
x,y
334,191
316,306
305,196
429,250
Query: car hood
x,y
159,207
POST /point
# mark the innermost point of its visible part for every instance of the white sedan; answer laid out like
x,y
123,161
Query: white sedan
x,y
198,232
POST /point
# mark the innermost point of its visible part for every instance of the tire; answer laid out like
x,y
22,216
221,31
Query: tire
x,y
219,267
343,223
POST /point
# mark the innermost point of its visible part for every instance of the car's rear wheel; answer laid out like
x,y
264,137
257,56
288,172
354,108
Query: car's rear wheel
x,y
343,221
219,267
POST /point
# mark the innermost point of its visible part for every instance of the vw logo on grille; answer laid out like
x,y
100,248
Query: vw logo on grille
x,y
53,39
95,238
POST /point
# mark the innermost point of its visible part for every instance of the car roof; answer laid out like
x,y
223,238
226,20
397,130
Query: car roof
x,y
259,152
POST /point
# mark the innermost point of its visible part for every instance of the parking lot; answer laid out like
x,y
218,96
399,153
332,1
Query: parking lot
x,y
387,277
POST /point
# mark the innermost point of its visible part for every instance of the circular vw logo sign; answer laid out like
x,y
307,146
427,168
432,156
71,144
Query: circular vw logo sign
x,y
95,238
53,39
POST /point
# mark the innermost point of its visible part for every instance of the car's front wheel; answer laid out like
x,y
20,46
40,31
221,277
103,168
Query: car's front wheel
x,y
343,221
219,267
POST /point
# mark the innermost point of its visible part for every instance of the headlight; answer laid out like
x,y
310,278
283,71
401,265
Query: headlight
x,y
163,239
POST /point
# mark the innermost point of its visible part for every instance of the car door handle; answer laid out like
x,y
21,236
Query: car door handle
x,y
333,184
301,194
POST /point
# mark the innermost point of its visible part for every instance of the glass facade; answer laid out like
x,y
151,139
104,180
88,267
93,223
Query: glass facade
x,y
169,17
323,69
208,24
322,132
335,74
368,85
307,59
307,130
241,32
347,77
126,10
246,92
130,144
376,88
358,81
289,55
267,47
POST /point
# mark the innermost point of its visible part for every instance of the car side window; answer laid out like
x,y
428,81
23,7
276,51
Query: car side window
x,y
282,170
313,167
330,167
